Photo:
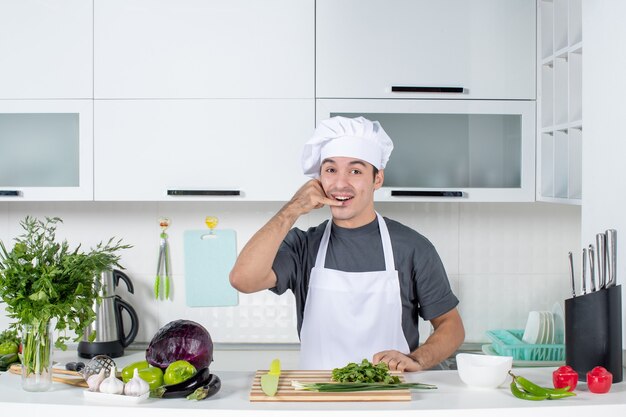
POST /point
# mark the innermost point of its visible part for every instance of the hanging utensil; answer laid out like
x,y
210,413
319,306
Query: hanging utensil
x,y
592,268
611,257
571,273
163,265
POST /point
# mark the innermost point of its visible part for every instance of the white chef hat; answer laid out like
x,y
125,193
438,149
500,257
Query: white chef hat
x,y
341,136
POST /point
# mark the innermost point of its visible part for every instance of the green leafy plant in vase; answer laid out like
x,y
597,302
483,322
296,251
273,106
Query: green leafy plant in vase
x,y
45,283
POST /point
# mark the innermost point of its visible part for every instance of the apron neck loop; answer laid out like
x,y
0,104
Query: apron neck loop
x,y
320,260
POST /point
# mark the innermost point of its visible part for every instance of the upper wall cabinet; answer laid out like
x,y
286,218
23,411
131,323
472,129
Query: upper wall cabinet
x,y
465,49
204,48
46,150
184,150
46,49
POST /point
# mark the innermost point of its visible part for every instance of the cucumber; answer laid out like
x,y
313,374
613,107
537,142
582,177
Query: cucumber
x,y
7,360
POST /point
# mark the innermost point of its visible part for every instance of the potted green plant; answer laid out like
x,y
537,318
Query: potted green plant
x,y
44,283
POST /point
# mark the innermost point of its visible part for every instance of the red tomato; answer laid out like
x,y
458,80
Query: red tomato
x,y
565,376
599,380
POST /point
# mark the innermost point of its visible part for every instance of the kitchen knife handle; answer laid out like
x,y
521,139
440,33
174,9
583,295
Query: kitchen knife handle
x,y
571,273
601,259
422,89
205,193
592,268
584,272
611,257
411,193
10,193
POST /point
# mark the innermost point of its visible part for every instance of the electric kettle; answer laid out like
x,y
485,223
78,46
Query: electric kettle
x,y
110,336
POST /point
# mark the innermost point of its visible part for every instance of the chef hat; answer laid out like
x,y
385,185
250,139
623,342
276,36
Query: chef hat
x,y
341,136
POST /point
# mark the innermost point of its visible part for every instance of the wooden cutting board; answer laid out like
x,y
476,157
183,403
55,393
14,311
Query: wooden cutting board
x,y
59,375
287,393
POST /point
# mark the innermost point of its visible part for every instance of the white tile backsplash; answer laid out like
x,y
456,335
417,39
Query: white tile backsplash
x,y
503,259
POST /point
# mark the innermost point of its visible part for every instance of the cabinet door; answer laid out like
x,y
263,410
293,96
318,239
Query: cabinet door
x,y
451,150
485,47
145,148
46,49
46,150
204,48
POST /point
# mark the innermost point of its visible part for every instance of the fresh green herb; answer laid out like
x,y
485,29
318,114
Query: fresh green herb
x,y
358,386
9,336
43,280
365,372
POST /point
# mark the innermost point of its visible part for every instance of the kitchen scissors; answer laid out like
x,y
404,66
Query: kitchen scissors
x,y
163,265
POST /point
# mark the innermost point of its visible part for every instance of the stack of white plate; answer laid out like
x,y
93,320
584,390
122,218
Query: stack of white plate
x,y
540,328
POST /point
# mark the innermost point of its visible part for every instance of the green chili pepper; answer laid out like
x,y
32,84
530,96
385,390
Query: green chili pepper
x,y
523,395
531,391
535,389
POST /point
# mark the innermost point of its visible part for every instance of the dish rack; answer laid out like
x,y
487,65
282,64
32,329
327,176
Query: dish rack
x,y
510,343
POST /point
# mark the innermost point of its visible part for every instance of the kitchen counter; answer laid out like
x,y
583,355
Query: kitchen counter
x,y
452,398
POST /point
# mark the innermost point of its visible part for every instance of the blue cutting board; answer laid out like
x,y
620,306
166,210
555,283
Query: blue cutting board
x,y
208,262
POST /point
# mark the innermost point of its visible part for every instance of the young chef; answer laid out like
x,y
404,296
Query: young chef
x,y
360,280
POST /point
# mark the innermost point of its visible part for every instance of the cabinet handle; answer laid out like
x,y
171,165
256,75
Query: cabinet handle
x,y
409,193
10,193
410,89
186,193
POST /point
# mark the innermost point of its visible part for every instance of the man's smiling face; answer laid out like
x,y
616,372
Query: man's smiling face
x,y
353,182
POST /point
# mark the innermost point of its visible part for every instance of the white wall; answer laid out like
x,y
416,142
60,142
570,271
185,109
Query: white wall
x,y
604,143
503,259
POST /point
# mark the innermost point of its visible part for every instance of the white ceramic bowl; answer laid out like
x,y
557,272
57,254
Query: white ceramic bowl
x,y
483,371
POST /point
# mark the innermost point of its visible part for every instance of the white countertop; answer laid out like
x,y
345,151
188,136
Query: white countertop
x,y
452,398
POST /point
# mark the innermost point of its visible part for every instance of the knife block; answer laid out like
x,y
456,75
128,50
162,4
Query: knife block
x,y
593,332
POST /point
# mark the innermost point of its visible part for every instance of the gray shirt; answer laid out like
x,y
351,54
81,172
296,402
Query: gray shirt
x,y
424,286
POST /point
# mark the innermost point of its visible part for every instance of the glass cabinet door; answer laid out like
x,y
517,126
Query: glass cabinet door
x,y
46,150
473,150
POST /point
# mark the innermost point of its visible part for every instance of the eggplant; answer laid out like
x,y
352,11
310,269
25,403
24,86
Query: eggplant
x,y
208,390
182,389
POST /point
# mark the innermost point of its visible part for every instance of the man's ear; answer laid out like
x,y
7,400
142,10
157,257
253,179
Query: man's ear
x,y
379,178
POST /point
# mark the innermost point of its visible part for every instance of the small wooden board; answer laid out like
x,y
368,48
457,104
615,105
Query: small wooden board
x,y
287,393
76,381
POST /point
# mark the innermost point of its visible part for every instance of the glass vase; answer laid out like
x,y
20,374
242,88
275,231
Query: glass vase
x,y
36,356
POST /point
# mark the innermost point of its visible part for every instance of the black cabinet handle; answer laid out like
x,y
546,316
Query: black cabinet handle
x,y
410,89
410,193
213,193
10,193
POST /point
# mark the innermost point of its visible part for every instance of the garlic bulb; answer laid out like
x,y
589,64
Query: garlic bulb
x,y
94,381
112,385
136,387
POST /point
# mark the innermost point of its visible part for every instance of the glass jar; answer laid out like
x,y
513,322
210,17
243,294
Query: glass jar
x,y
36,356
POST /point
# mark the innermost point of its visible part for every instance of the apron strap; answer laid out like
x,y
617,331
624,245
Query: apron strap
x,y
320,260
387,248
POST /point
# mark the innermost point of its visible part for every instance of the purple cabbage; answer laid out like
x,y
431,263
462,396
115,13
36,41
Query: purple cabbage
x,y
180,340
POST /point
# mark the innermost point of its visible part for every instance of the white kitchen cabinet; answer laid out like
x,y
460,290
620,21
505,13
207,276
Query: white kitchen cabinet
x,y
46,49
204,49
485,48
46,150
451,150
184,150
560,131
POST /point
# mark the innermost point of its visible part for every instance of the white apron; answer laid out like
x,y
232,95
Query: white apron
x,y
350,316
